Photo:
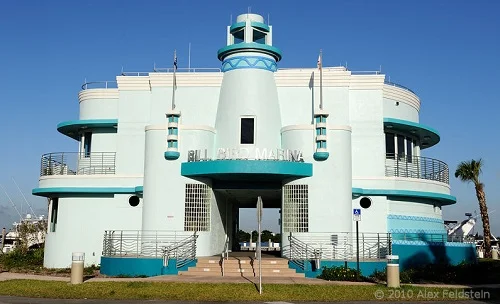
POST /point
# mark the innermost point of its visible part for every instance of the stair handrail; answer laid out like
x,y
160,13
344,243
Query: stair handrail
x,y
184,251
299,251
225,252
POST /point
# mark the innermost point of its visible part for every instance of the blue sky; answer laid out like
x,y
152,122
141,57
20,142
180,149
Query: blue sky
x,y
446,51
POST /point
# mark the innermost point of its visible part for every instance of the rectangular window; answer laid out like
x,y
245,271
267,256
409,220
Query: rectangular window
x,y
87,142
401,146
247,131
409,149
53,214
197,207
295,208
389,145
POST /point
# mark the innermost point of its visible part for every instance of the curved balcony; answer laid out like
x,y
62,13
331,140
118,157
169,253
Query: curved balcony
x,y
78,163
416,167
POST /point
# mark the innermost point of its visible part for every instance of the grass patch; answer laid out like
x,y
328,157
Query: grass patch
x,y
211,292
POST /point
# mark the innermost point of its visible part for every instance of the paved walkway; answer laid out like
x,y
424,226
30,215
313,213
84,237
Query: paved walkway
x,y
4,276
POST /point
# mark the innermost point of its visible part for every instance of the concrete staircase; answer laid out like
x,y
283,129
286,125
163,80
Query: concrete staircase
x,y
242,267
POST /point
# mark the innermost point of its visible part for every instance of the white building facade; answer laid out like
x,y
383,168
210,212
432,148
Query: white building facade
x,y
162,159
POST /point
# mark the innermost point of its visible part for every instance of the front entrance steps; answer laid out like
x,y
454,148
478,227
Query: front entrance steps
x,y
242,267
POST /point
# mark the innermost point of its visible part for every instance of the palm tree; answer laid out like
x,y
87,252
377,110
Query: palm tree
x,y
469,171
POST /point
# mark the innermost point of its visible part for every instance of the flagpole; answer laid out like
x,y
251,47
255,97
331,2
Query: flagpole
x,y
174,82
189,58
321,79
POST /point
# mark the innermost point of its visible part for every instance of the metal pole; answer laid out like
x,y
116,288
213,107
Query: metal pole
x,y
189,58
357,249
321,79
174,85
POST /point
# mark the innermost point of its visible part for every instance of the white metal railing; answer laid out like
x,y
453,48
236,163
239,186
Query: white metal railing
x,y
183,251
416,167
337,246
189,70
78,163
100,85
143,243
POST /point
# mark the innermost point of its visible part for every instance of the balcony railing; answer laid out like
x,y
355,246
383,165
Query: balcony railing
x,y
76,163
416,167
397,85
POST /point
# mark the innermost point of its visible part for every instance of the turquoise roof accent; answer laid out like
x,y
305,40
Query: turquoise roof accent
x,y
320,156
261,26
426,134
172,155
258,25
56,191
260,170
236,26
249,47
71,127
445,199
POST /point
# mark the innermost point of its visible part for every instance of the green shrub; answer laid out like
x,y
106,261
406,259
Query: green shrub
x,y
33,258
340,273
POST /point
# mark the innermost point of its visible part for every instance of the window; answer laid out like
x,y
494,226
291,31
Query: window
x,y
53,214
239,36
133,201
197,207
401,146
389,145
295,208
247,131
259,37
365,202
87,142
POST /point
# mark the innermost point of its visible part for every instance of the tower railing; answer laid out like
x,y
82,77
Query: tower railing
x,y
78,163
400,165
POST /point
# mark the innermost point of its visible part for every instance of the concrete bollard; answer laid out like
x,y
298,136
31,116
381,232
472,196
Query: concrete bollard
x,y
77,262
494,253
393,271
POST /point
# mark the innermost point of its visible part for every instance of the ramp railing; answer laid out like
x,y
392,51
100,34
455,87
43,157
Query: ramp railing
x,y
337,246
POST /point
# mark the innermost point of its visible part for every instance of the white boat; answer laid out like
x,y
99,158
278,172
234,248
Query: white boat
x,y
35,237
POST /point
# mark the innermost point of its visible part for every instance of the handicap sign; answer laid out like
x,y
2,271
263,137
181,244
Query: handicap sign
x,y
356,215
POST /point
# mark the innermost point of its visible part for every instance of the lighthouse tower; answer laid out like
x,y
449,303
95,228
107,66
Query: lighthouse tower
x,y
248,115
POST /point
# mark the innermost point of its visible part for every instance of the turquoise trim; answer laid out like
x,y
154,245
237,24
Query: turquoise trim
x,y
236,26
320,156
141,266
445,199
139,189
261,26
426,134
418,253
247,169
172,155
85,190
70,128
415,218
249,47
249,62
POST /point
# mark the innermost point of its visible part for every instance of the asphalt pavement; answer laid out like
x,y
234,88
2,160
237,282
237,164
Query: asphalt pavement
x,y
19,300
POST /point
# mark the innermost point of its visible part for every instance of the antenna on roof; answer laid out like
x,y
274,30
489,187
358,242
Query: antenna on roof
x,y
24,197
249,9
13,205
380,69
154,66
